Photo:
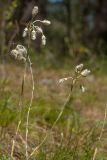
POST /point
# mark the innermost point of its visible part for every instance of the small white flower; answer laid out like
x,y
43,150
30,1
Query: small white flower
x,y
38,29
62,80
18,55
25,32
21,49
79,68
35,11
85,72
83,89
46,22
22,59
43,40
33,35
14,53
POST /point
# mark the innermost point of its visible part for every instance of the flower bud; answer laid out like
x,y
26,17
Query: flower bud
x,y
85,72
25,32
46,22
79,68
43,40
33,35
34,11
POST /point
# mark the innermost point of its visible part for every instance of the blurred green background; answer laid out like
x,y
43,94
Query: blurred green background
x,y
78,30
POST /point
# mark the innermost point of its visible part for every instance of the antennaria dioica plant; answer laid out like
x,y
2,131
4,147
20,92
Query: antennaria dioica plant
x,y
79,73
21,53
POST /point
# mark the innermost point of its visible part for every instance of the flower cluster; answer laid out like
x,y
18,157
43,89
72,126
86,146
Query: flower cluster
x,y
83,72
19,53
79,72
32,29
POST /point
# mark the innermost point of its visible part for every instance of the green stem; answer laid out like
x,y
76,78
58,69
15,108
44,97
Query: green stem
x,y
66,104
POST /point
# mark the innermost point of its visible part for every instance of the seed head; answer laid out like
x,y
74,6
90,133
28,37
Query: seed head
x,y
46,22
43,40
14,53
39,29
33,35
79,68
65,79
21,58
19,53
35,11
22,50
85,72
62,80
25,32
83,89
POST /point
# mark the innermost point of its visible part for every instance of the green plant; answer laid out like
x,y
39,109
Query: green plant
x,y
60,141
22,54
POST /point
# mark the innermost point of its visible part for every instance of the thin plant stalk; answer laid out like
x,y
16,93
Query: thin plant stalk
x,y
29,108
19,54
31,100
20,104
58,118
101,134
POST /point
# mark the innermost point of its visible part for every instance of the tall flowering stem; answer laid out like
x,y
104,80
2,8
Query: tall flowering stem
x,y
19,53
22,54
30,105
79,73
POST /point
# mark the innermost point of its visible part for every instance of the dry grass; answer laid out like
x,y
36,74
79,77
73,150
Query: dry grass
x,y
48,98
